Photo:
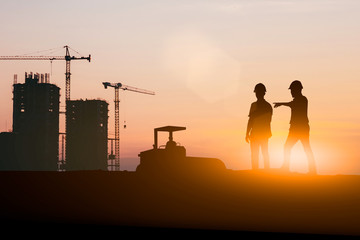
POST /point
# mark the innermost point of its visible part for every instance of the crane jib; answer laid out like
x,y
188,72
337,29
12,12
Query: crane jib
x,y
67,58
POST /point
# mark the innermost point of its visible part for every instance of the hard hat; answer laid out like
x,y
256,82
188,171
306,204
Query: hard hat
x,y
260,87
296,85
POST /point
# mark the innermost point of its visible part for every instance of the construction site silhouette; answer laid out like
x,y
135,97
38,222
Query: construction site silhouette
x,y
168,189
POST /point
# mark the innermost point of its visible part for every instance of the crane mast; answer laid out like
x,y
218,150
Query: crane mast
x,y
117,130
118,86
67,74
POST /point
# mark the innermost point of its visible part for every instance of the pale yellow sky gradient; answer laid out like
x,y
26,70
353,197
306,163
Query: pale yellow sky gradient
x,y
203,59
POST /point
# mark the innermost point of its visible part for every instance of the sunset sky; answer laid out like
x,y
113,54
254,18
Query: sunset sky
x,y
202,58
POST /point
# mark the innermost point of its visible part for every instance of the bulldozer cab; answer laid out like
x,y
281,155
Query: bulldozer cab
x,y
170,129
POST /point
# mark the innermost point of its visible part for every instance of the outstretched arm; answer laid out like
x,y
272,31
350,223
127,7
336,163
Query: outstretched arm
x,y
278,104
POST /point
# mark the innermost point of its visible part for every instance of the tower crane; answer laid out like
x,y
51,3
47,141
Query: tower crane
x,y
118,86
67,58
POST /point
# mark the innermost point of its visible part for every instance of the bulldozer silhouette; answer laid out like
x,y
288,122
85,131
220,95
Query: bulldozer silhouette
x,y
171,158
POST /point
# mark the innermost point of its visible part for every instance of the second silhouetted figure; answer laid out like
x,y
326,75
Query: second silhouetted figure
x,y
258,129
299,125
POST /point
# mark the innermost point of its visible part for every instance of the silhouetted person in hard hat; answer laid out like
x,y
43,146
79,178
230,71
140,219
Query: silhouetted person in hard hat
x,y
258,129
299,126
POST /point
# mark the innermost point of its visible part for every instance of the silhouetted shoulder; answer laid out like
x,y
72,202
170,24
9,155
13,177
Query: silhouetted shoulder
x,y
252,108
260,108
268,105
303,98
300,100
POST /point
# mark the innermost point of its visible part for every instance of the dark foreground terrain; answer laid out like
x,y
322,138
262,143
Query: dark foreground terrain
x,y
256,204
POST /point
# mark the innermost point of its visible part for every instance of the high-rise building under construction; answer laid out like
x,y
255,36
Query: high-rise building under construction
x,y
86,135
35,124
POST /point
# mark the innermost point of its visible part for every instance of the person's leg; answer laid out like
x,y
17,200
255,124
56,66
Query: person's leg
x,y
265,153
309,153
290,142
254,145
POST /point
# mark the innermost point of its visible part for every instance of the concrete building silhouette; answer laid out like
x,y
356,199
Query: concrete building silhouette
x,y
33,144
86,135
